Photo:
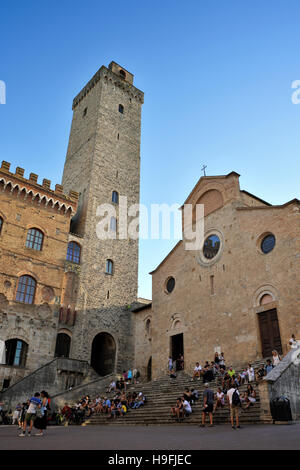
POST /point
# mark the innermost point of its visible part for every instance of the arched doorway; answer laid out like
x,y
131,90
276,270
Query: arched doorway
x,y
149,370
103,356
63,343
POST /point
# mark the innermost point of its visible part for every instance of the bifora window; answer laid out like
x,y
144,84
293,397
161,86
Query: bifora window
x,y
34,239
268,243
73,253
26,290
211,246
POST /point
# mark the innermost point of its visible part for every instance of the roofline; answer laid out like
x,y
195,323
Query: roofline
x,y
209,178
143,307
279,206
166,257
255,197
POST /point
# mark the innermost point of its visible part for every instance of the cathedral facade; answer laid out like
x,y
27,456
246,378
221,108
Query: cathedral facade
x,y
238,294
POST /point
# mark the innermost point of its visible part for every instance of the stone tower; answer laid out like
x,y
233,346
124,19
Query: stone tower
x,y
103,158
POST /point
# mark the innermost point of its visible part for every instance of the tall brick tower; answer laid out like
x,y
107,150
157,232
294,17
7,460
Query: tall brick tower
x,y
102,164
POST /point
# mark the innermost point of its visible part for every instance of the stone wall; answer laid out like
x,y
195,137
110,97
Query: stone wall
x,y
104,156
284,380
216,304
55,376
143,339
24,204
93,388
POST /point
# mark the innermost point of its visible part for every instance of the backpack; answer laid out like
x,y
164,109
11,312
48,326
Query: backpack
x,y
236,398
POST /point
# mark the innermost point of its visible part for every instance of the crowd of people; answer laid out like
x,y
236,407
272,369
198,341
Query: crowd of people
x,y
227,393
119,405
36,411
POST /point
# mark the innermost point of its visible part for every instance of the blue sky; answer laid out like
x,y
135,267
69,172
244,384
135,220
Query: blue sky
x,y
217,79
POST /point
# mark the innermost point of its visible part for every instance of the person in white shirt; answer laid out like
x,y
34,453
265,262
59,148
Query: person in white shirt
x,y
251,373
234,407
220,402
275,357
197,371
187,409
293,342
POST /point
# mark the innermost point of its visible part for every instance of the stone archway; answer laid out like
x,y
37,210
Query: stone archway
x,y
63,344
103,357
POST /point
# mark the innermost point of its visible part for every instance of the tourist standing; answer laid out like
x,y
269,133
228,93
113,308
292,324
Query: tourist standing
x,y
293,343
275,357
34,404
269,366
208,405
234,401
40,422
251,373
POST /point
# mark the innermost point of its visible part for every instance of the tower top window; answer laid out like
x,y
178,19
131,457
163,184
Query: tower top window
x,y
122,74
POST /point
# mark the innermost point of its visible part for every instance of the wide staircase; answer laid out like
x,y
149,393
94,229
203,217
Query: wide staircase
x,y
161,395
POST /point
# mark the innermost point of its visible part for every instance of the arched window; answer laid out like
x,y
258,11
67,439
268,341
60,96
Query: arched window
x,y
121,108
73,253
109,266
26,290
16,352
34,239
115,197
148,327
1,224
63,343
113,224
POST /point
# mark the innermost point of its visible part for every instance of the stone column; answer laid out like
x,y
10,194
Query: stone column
x,y
265,411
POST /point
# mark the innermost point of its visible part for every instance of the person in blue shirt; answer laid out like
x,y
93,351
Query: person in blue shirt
x,y
269,366
129,376
34,404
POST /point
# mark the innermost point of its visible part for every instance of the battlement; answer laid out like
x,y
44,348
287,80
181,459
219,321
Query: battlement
x,y
17,183
118,76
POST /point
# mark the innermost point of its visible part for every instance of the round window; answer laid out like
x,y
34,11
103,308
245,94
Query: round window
x,y
268,244
170,284
211,246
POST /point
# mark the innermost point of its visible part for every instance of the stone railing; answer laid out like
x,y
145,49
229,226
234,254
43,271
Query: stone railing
x,y
284,380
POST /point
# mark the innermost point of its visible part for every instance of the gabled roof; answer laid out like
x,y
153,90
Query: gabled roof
x,y
207,178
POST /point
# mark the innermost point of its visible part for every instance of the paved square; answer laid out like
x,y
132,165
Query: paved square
x,y
155,438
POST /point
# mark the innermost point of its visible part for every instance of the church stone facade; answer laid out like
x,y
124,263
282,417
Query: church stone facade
x,y
239,294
